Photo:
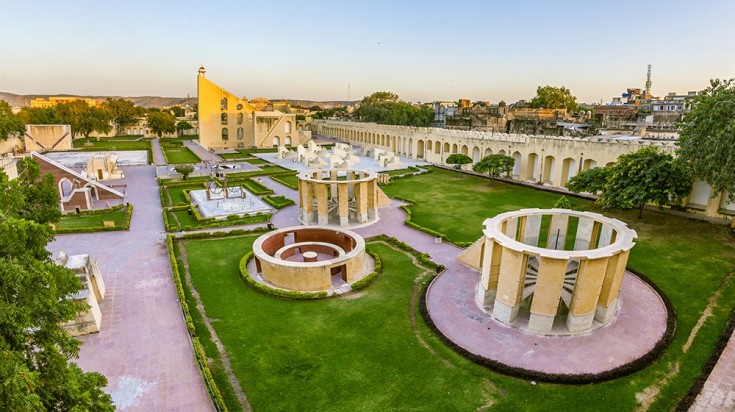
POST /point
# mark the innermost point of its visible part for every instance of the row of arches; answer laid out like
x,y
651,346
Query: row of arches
x,y
531,166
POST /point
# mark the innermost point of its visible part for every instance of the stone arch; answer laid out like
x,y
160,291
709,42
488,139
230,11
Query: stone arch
x,y
465,150
276,141
589,164
501,152
223,118
438,147
420,149
239,118
549,169
65,187
568,170
223,103
409,149
429,146
446,147
532,167
454,148
609,164
287,128
488,151
476,154
239,133
225,134
517,165
287,141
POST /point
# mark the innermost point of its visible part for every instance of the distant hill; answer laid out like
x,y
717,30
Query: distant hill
x,y
21,100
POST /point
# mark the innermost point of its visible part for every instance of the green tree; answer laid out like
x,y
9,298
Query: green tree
x,y
495,164
185,170
9,121
35,298
161,122
387,108
590,181
39,115
707,138
183,125
177,111
72,113
552,97
564,203
94,119
647,175
458,160
124,112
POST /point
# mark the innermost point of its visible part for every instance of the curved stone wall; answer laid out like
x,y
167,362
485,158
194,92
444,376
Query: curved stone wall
x,y
307,258
557,265
340,197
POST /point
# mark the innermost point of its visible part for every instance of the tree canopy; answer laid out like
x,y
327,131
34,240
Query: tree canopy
x,y
183,125
35,370
458,159
552,97
707,138
124,113
648,175
387,108
161,122
495,164
9,121
84,119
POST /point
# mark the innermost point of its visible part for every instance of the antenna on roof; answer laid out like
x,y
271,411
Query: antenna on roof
x,y
648,80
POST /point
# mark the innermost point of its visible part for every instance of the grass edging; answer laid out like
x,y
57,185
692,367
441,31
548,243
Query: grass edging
x,y
199,353
281,293
409,222
279,202
283,182
686,402
575,379
92,229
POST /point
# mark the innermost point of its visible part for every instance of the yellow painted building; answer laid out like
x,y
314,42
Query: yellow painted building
x,y
227,121
54,100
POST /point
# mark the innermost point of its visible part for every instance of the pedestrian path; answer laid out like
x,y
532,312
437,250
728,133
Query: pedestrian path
x,y
143,347
201,152
158,157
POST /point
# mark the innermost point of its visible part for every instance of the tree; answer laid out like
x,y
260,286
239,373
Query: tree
x,y
177,111
72,114
185,170
94,119
707,138
9,122
494,164
124,112
552,97
387,108
458,160
183,125
39,115
590,181
647,175
161,122
35,298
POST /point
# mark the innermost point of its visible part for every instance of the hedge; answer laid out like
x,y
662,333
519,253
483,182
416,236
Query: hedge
x,y
279,202
245,276
91,229
423,258
283,182
235,232
372,276
199,353
577,379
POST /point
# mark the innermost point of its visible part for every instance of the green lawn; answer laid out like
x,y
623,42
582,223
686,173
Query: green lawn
x,y
180,154
74,221
291,181
362,353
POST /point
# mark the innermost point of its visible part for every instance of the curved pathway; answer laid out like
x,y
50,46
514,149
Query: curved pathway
x,y
143,347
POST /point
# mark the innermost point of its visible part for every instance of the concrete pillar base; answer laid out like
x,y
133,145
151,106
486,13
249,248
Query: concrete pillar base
x,y
505,313
323,220
372,214
540,323
488,298
363,217
603,314
306,217
344,221
580,323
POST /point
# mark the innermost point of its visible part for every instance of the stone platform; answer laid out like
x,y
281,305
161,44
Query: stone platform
x,y
641,322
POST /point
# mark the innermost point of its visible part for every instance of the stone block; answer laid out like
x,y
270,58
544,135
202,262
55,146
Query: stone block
x,y
540,323
604,314
579,323
505,313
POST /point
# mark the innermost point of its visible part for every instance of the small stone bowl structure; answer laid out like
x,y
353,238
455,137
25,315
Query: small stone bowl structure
x,y
340,197
310,258
562,266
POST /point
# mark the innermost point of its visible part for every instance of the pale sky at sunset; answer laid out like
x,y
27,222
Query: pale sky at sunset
x,y
421,50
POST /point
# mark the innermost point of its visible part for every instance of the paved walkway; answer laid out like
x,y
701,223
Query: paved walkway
x,y
718,393
158,157
201,152
143,347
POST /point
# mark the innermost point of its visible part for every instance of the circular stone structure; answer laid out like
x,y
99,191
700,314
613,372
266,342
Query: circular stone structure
x,y
309,258
339,197
559,264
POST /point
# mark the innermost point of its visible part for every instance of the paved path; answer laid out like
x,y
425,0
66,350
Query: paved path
x,y
718,393
201,152
143,347
158,157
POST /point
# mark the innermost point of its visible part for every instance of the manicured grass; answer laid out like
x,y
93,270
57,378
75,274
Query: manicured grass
x,y
361,353
256,161
233,156
279,202
291,181
112,145
174,196
73,221
178,155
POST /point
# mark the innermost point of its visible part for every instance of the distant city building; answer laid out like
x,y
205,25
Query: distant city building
x,y
54,100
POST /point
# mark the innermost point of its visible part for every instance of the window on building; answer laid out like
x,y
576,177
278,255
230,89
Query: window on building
x,y
224,118
225,134
239,118
239,133
223,103
288,127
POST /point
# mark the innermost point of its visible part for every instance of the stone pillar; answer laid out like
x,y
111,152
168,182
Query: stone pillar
x,y
584,233
490,267
322,204
608,302
343,202
362,202
546,296
512,274
557,232
585,295
531,231
307,202
372,199
333,188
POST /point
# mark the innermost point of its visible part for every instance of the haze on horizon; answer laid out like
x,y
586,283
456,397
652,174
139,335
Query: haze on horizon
x,y
423,51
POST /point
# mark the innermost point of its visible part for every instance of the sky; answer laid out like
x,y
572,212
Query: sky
x,y
331,50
